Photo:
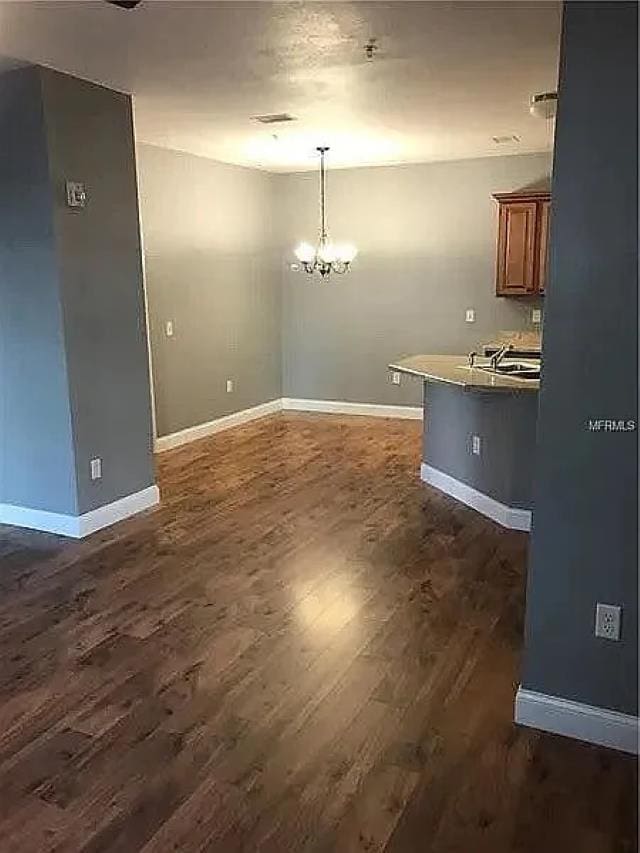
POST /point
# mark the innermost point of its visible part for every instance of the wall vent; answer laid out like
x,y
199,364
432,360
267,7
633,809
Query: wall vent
x,y
274,118
506,139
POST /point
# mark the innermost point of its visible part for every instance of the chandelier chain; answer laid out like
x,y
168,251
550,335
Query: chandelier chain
x,y
323,194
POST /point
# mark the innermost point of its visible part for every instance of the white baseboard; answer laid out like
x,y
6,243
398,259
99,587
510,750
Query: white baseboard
x,y
337,407
78,526
576,720
508,516
105,516
175,439
39,519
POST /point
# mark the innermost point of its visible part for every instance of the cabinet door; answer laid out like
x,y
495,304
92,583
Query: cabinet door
x,y
543,245
516,263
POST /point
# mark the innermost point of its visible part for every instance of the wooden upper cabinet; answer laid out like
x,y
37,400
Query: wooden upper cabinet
x,y
523,229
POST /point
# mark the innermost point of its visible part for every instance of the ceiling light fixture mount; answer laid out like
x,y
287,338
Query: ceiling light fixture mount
x,y
274,118
326,258
371,48
544,105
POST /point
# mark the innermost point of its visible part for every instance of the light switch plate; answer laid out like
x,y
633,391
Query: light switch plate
x,y
96,468
395,377
169,328
470,315
536,316
229,386
476,445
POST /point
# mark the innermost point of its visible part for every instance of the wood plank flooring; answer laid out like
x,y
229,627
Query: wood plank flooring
x,y
304,649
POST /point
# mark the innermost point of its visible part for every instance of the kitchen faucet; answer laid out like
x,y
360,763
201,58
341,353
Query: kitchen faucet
x,y
498,355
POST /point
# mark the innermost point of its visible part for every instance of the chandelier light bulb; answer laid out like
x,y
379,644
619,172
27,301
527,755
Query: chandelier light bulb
x,y
544,105
347,252
305,253
327,253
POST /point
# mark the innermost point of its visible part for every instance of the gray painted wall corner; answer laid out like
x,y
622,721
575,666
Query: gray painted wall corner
x,y
37,463
90,139
584,545
212,269
74,377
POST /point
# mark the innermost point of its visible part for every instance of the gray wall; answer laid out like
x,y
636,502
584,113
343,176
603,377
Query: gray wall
x,y
37,464
584,544
212,267
74,360
506,424
90,137
427,241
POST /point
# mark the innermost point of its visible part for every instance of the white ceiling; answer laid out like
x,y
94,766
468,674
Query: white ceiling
x,y
447,77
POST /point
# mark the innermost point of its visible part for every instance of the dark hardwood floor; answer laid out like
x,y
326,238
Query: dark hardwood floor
x,y
303,649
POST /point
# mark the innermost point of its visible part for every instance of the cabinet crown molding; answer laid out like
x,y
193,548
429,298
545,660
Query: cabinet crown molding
x,y
524,195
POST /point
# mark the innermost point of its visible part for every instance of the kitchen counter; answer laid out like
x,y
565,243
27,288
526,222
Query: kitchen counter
x,y
454,370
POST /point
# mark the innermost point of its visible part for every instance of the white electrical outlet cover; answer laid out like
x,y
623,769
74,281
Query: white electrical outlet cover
x,y
96,468
608,621
395,377
470,315
169,328
76,194
476,445
536,315
229,386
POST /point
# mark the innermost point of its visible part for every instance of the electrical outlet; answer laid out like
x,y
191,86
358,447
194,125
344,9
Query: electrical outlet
x,y
395,377
470,315
76,194
476,445
608,621
96,468
536,316
169,328
229,386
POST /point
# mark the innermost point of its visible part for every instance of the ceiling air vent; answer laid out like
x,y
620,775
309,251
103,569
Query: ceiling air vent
x,y
507,139
274,118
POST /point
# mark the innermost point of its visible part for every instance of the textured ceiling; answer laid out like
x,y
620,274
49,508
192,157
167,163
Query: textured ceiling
x,y
447,76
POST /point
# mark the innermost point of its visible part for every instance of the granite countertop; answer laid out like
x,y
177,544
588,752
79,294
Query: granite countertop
x,y
454,370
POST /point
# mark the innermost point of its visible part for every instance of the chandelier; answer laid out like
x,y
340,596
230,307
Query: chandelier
x,y
327,257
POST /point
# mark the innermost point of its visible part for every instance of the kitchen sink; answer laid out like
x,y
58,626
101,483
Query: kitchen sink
x,y
527,373
516,369
509,368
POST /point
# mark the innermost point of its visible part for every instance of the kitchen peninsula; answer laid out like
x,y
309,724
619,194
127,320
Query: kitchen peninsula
x,y
479,434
